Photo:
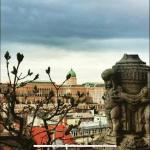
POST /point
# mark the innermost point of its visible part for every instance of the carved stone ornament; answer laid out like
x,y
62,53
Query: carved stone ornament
x,y
127,102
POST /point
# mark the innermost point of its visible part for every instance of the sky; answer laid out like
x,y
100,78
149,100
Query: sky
x,y
88,36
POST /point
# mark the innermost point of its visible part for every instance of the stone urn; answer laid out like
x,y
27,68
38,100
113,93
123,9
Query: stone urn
x,y
131,73
127,103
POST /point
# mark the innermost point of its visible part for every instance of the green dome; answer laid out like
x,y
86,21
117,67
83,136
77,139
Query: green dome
x,y
73,74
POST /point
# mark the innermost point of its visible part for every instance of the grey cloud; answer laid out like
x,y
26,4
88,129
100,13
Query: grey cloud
x,y
53,22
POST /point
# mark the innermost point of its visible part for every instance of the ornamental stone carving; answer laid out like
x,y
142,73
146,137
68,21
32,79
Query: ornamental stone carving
x,y
127,101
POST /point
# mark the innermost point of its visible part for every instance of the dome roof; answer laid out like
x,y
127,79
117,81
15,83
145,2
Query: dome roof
x,y
73,74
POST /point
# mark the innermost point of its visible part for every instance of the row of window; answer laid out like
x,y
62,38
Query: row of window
x,y
87,132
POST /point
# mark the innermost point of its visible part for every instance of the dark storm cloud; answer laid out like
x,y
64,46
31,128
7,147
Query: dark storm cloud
x,y
60,22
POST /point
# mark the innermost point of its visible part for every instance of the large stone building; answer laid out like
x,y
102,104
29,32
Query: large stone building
x,y
93,91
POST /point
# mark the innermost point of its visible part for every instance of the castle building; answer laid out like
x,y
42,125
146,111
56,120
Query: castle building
x,y
93,91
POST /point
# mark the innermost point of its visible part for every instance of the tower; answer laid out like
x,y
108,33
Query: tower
x,y
73,79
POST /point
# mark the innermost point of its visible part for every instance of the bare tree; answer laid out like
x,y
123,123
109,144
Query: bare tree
x,y
21,137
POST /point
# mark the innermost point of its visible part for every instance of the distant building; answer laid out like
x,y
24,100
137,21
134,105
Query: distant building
x,y
93,91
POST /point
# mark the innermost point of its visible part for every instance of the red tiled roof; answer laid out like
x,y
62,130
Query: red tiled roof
x,y
40,136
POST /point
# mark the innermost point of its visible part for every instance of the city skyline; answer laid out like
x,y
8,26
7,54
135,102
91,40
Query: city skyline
x,y
88,36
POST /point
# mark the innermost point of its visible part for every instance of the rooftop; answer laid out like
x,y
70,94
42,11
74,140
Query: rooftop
x,y
39,134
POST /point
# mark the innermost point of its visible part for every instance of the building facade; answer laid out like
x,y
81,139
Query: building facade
x,y
92,91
